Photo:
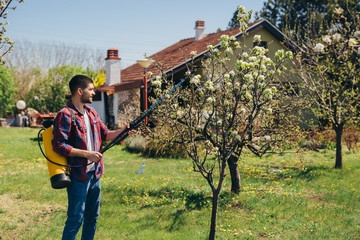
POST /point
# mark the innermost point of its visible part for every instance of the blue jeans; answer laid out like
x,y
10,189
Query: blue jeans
x,y
83,206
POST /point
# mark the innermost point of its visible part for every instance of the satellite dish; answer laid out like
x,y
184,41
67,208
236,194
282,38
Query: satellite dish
x,y
21,105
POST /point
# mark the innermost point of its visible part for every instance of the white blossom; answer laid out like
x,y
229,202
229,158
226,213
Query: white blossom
x,y
241,9
268,92
326,39
209,85
352,41
232,73
248,77
336,37
257,38
357,34
259,50
234,133
338,10
319,47
252,59
195,80
210,100
289,54
193,53
179,113
156,83
268,61
228,50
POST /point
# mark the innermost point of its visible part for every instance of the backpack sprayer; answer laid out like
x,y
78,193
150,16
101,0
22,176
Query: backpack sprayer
x,y
57,164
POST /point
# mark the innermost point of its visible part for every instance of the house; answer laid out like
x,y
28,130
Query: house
x,y
123,91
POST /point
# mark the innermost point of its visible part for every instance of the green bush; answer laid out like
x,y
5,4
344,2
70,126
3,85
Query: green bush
x,y
135,144
157,148
7,91
154,148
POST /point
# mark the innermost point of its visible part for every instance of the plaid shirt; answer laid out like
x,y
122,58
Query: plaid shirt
x,y
65,138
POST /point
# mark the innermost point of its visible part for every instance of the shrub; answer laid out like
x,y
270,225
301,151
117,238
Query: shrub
x,y
154,148
158,148
324,139
135,144
351,137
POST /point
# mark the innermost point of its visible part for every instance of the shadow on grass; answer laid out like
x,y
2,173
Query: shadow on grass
x,y
178,220
277,173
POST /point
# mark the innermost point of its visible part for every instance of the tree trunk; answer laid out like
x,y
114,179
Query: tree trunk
x,y
214,211
235,175
338,161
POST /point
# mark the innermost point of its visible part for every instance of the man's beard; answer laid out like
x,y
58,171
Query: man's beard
x,y
85,99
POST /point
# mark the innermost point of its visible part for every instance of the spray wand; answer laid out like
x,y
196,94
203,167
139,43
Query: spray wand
x,y
135,124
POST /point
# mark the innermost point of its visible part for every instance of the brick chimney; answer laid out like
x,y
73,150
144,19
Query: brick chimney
x,y
113,67
199,29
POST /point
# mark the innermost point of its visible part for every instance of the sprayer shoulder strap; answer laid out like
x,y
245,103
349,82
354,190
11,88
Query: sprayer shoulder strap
x,y
72,111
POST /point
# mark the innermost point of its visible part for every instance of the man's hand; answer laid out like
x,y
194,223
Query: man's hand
x,y
113,134
89,155
94,156
131,132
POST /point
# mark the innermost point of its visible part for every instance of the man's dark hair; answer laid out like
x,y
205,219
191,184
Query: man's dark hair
x,y
79,81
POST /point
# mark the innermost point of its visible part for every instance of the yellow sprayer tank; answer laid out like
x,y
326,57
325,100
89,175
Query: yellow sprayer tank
x,y
59,177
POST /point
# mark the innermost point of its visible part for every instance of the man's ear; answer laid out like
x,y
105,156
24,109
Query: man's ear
x,y
79,91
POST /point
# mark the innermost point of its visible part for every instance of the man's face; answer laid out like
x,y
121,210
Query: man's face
x,y
88,94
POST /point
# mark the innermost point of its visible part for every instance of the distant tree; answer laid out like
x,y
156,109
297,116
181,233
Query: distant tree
x,y
231,106
100,79
7,91
295,15
46,55
329,67
48,93
6,45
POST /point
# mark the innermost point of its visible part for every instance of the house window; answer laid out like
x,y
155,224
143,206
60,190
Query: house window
x,y
260,44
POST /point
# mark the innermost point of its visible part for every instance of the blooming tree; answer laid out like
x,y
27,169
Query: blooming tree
x,y
5,42
233,103
329,67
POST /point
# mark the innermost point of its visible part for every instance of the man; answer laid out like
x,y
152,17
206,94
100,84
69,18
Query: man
x,y
80,139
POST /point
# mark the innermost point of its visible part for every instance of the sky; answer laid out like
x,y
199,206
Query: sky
x,y
135,27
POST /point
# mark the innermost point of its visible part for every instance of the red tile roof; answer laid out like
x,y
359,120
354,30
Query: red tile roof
x,y
174,56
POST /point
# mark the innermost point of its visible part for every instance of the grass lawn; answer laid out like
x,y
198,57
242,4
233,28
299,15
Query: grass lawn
x,y
290,196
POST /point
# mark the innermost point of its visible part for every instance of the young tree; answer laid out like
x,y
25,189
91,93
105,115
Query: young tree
x,y
235,103
6,45
329,68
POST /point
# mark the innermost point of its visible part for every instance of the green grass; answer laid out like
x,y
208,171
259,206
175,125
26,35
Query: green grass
x,y
289,196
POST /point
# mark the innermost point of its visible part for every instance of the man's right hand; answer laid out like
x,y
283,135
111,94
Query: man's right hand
x,y
94,156
89,155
